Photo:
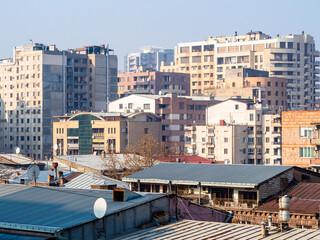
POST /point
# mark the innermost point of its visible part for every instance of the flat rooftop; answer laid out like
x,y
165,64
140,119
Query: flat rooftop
x,y
242,175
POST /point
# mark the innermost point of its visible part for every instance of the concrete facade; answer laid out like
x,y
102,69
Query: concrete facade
x,y
176,112
153,83
253,84
292,57
149,59
40,82
237,132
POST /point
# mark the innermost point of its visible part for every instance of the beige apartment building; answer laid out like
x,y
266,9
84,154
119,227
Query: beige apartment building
x,y
254,84
292,57
86,133
237,132
40,82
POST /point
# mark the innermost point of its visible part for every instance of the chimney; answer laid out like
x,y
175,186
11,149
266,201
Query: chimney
x,y
55,166
235,33
50,178
62,181
302,32
60,174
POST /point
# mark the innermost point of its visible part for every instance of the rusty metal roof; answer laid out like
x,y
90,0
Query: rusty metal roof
x,y
305,198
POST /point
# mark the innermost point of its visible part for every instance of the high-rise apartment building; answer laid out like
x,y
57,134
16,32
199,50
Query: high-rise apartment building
x,y
292,57
237,131
148,60
40,82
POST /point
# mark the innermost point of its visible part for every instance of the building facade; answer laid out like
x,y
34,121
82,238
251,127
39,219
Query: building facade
x,y
292,57
176,112
301,138
40,82
153,83
149,59
253,84
86,133
237,132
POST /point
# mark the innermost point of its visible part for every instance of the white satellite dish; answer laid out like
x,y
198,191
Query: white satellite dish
x,y
55,147
33,172
100,208
17,150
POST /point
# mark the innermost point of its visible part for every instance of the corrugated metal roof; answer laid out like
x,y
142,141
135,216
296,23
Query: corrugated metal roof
x,y
208,174
51,209
19,237
197,230
305,199
85,180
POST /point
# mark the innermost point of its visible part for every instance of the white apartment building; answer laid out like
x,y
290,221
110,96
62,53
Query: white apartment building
x,y
292,57
149,59
237,132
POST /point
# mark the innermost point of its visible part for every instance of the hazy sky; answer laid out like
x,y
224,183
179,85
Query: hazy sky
x,y
129,25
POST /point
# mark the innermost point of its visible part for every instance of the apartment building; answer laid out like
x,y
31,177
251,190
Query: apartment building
x,y
237,131
301,138
176,112
292,57
153,83
86,133
149,59
40,82
249,83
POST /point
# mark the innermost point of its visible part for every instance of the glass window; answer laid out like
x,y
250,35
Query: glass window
x,y
306,152
306,132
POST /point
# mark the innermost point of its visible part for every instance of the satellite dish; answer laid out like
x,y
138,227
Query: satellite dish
x,y
55,147
33,172
17,150
100,208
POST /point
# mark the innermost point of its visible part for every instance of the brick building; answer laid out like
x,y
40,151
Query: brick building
x,y
300,138
153,83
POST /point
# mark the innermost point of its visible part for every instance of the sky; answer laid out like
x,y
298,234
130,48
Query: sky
x,y
128,25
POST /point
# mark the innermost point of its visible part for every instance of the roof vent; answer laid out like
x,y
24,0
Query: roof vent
x,y
123,195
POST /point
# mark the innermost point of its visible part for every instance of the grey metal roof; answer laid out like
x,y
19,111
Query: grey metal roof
x,y
86,179
187,229
52,209
208,174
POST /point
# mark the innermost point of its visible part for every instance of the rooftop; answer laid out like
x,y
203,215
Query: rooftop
x,y
243,175
188,229
86,180
305,198
52,209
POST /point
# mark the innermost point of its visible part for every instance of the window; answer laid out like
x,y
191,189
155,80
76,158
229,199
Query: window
x,y
225,140
130,105
225,151
146,106
236,106
282,44
120,106
267,140
251,117
250,140
250,151
181,105
306,132
306,152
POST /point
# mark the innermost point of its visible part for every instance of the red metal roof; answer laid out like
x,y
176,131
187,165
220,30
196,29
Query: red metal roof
x,y
73,175
185,159
305,198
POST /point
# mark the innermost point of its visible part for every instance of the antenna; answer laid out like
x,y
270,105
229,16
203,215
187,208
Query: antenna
x,y
100,208
17,150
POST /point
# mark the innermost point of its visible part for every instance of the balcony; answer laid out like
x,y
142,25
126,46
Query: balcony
x,y
315,141
73,146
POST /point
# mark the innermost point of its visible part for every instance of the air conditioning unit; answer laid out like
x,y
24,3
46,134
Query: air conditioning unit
x,y
124,130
